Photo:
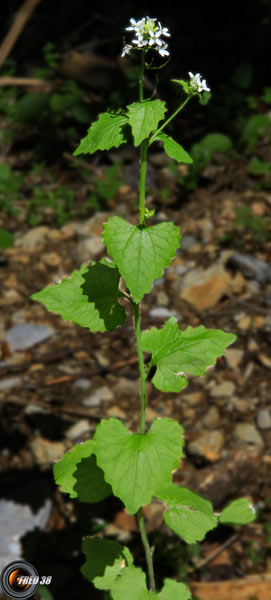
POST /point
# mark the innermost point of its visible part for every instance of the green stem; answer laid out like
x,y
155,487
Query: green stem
x,y
142,181
141,75
143,387
153,138
147,549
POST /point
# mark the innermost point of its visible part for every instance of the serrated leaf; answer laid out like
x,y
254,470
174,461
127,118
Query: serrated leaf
x,y
89,298
173,590
131,585
239,512
105,560
173,149
144,118
78,475
188,515
140,252
105,133
138,464
175,352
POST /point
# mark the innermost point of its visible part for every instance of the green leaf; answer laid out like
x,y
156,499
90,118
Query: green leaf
x,y
103,134
239,512
144,118
175,352
138,464
188,515
174,590
78,475
131,585
105,560
89,298
6,238
140,252
173,149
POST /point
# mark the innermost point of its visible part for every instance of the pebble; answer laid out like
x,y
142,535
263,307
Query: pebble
x,y
78,429
211,418
93,226
264,419
160,312
15,521
19,317
188,241
204,288
192,399
162,298
208,445
87,249
33,238
244,322
82,384
46,452
226,388
241,404
265,360
116,411
26,335
9,383
247,432
251,267
233,357
102,394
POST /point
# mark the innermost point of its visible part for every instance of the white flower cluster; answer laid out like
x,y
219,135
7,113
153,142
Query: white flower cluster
x,y
197,83
147,35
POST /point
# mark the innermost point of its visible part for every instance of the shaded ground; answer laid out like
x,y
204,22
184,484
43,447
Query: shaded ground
x,y
53,394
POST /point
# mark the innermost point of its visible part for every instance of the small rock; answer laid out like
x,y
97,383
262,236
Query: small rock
x,y
192,399
160,312
162,298
188,241
15,521
33,238
82,384
78,429
241,404
151,414
226,388
26,335
102,394
116,411
244,322
93,226
19,317
46,452
52,259
234,357
211,418
9,383
88,249
252,345
204,288
126,387
208,445
264,419
265,360
251,267
247,432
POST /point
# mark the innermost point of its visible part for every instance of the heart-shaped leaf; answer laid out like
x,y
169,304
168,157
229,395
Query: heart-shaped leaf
x,y
239,512
138,464
105,560
103,134
144,118
173,149
173,590
141,253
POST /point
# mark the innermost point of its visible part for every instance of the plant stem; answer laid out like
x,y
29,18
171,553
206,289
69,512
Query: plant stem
x,y
153,138
141,75
147,549
142,182
143,400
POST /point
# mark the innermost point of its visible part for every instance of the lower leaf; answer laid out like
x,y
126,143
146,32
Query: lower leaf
x,y
105,560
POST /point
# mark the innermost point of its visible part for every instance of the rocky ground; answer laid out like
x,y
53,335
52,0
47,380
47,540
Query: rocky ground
x,y
58,381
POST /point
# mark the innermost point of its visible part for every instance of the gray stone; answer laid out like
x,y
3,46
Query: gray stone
x,y
78,429
9,383
82,384
226,388
160,312
247,432
208,445
212,418
102,394
264,419
187,242
88,249
93,226
15,521
251,267
26,335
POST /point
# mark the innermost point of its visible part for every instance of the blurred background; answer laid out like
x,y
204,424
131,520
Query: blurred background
x,y
60,66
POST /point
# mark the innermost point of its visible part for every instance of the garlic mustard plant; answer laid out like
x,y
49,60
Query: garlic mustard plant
x,y
137,466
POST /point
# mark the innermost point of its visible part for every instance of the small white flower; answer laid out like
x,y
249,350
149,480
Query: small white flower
x,y
197,83
148,33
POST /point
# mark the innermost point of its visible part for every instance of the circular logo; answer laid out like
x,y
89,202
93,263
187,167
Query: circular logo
x,y
19,579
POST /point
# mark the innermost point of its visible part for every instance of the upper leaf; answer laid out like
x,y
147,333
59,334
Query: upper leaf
x,y
144,118
138,464
89,298
189,515
103,134
140,252
105,560
239,512
78,475
173,149
175,352
174,590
